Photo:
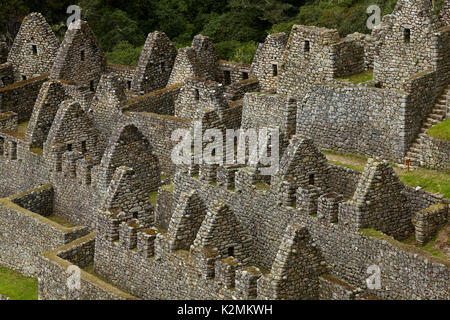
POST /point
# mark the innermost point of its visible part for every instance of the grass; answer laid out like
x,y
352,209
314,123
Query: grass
x,y
152,197
429,180
358,78
262,186
61,221
168,187
38,151
440,131
16,286
408,244
22,128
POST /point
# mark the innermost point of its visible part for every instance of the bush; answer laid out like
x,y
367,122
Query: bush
x,y
124,53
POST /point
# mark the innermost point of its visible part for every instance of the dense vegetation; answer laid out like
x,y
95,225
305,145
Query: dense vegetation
x,y
235,26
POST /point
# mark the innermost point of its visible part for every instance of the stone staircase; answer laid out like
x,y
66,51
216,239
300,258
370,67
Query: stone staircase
x,y
436,116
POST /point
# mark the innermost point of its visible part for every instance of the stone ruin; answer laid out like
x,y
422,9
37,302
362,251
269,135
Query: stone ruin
x,y
89,143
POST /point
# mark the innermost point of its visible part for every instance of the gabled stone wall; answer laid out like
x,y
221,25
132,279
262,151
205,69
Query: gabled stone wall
x,y
34,49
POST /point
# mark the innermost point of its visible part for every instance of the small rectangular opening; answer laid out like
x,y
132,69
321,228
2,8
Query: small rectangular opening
x,y
2,145
129,85
197,94
82,55
407,35
274,70
244,75
83,147
307,46
91,86
227,77
231,251
13,150
24,78
69,147
34,49
311,179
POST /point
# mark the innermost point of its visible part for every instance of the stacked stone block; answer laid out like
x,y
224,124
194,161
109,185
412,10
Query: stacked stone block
x,y
328,206
429,221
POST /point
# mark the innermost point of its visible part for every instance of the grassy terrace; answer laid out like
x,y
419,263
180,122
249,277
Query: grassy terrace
x,y
440,131
430,180
430,249
358,78
16,286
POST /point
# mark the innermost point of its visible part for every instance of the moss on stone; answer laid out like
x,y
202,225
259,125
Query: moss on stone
x,y
153,197
426,251
262,186
358,78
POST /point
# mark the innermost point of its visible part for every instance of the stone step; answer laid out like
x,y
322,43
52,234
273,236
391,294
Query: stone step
x,y
436,116
439,111
439,106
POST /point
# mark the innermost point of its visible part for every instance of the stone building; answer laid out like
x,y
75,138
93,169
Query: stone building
x,y
87,177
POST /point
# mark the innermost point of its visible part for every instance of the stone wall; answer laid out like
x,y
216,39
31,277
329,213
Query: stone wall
x,y
335,243
80,58
378,202
26,172
199,96
429,221
9,121
231,72
354,119
39,200
53,274
307,59
236,91
20,247
405,46
268,54
158,129
6,74
155,64
263,110
159,101
434,153
21,96
51,95
34,48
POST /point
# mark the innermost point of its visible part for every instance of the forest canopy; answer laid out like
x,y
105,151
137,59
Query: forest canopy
x,y
235,26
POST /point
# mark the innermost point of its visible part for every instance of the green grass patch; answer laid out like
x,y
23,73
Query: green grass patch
x,y
262,186
355,167
409,244
61,221
430,180
168,187
38,151
16,286
152,197
358,78
440,131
